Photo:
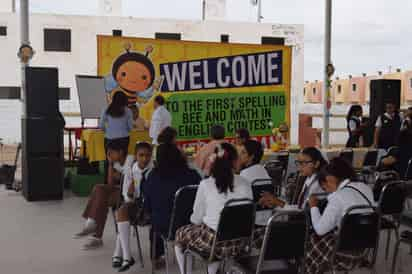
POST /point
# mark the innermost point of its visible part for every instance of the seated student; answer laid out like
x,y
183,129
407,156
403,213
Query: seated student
x,y
213,193
310,162
171,172
167,136
242,135
104,196
201,160
133,180
336,179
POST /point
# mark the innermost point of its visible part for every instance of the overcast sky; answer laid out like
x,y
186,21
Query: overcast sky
x,y
368,35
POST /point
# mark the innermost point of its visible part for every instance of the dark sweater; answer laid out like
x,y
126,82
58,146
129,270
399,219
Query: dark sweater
x,y
159,192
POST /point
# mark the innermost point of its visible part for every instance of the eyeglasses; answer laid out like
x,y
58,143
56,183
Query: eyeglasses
x,y
302,163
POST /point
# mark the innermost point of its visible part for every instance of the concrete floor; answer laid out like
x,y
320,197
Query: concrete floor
x,y
37,238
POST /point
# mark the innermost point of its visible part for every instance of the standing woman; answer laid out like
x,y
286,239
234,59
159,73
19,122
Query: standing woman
x,y
117,122
354,125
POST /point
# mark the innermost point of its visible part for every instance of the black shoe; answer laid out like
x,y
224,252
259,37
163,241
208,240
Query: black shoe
x,y
117,262
126,265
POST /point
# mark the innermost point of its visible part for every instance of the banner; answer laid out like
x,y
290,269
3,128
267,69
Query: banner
x,y
235,85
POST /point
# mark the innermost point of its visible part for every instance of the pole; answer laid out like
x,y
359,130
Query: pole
x,y
328,71
259,13
24,38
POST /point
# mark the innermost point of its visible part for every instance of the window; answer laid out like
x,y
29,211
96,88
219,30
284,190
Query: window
x,y
339,89
9,92
314,91
57,40
117,32
304,92
266,40
410,82
353,87
224,38
3,31
168,36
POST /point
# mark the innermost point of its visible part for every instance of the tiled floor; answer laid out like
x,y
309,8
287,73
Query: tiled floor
x,y
36,238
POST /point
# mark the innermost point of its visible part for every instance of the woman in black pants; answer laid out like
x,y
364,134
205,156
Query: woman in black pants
x,y
354,126
116,121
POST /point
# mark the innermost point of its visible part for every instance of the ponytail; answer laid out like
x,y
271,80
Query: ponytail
x,y
223,161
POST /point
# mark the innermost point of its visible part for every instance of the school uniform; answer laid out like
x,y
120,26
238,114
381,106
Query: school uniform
x,y
322,241
390,127
353,127
251,174
205,218
405,146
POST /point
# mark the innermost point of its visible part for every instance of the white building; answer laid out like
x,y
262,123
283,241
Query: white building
x,y
81,54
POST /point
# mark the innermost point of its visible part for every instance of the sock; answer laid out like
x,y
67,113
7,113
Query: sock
x,y
180,260
213,267
118,248
90,222
124,234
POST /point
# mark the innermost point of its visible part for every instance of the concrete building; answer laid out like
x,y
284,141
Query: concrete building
x,y
79,54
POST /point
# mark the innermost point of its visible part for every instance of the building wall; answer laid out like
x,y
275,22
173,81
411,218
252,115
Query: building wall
x,y
316,92
357,90
306,93
407,86
83,56
340,95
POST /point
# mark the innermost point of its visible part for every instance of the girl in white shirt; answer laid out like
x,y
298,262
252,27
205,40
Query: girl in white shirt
x,y
310,161
133,178
336,180
213,193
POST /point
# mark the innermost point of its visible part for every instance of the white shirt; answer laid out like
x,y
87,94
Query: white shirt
x,y
379,120
134,176
161,119
310,186
338,203
352,123
128,163
251,174
209,202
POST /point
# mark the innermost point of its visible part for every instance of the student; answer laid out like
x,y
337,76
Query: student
x,y
117,122
242,135
161,119
133,180
171,172
167,136
336,179
104,196
201,160
354,126
250,155
310,161
213,193
388,128
405,143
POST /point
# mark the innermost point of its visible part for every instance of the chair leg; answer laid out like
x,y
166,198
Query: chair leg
x,y
139,247
395,255
388,242
166,248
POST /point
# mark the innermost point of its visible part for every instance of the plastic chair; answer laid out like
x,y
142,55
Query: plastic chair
x,y
236,222
371,158
182,210
276,171
261,185
348,155
383,178
390,207
357,232
284,241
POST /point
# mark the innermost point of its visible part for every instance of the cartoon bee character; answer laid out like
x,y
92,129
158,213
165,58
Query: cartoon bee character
x,y
133,74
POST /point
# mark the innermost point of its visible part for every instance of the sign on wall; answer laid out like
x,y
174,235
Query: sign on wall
x,y
235,85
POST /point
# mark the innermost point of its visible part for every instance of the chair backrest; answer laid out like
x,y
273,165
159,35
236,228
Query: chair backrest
x,y
347,154
371,158
408,173
383,178
182,209
283,158
408,189
358,230
275,171
285,237
392,199
261,185
236,222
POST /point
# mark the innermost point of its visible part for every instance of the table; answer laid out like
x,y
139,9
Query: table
x,y
76,132
93,143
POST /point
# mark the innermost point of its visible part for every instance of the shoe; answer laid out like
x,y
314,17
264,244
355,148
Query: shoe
x,y
117,262
93,243
126,265
87,230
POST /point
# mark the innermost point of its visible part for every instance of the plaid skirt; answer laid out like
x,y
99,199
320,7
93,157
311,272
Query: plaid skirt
x,y
319,251
199,238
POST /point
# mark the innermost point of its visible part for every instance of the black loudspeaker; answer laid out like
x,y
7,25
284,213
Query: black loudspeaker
x,y
382,92
42,137
42,92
